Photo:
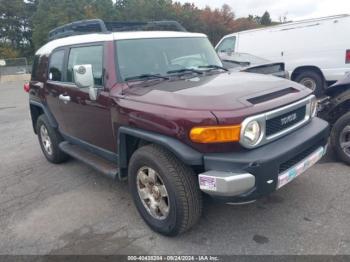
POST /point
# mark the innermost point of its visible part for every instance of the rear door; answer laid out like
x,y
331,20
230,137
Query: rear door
x,y
87,121
54,86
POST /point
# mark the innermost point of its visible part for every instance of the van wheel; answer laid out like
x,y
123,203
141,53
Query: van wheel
x,y
49,139
165,191
311,80
340,138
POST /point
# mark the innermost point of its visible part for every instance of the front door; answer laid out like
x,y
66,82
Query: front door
x,y
86,120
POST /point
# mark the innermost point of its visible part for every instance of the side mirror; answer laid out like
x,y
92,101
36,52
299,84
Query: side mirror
x,y
229,51
84,78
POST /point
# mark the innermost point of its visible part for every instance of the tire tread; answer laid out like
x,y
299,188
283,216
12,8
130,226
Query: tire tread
x,y
58,156
185,182
337,128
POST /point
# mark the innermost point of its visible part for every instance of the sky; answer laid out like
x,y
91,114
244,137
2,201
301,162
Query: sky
x,y
293,9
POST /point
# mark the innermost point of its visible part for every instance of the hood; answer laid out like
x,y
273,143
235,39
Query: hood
x,y
225,91
275,69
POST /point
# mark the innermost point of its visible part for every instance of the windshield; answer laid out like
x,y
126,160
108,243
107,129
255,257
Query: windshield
x,y
160,56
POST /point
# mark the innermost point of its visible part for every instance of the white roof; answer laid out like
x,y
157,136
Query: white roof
x,y
101,37
153,34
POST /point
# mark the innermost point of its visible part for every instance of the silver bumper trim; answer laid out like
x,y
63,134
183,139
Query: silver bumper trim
x,y
225,183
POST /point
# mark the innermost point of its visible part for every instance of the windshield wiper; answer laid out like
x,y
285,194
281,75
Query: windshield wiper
x,y
146,76
185,70
214,67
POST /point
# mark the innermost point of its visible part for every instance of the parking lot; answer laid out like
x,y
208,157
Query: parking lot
x,y
71,209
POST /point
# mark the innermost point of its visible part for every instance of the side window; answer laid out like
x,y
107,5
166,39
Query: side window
x,y
92,55
35,66
227,45
56,65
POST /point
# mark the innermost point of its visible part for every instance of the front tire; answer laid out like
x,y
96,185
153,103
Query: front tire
x,y
311,80
49,139
165,191
340,138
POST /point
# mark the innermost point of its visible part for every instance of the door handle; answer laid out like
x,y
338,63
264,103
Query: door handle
x,y
64,98
38,84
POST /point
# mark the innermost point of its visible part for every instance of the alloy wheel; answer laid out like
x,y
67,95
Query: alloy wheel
x,y
344,140
309,83
153,193
45,140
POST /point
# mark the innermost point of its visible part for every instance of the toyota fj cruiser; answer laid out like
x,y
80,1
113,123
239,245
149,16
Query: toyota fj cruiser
x,y
157,108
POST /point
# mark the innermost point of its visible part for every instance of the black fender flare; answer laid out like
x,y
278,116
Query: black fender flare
x,y
342,97
339,99
334,104
182,151
46,111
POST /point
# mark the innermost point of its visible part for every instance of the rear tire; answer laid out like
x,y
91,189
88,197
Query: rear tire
x,y
311,80
340,138
179,187
49,139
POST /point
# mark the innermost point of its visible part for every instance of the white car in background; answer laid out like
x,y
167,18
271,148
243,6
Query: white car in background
x,y
316,52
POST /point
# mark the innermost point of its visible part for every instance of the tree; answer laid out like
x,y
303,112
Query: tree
x,y
25,24
266,19
61,12
217,22
12,20
283,18
244,23
144,10
30,9
6,51
189,16
15,27
99,9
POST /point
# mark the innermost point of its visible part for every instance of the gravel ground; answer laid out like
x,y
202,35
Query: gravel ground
x,y
71,209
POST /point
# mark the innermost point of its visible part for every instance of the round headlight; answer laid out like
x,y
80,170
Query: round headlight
x,y
252,133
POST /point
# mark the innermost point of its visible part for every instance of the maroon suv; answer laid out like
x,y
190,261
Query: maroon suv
x,y
157,108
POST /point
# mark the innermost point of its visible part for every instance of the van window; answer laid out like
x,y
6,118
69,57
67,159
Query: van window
x,y
227,45
92,55
56,65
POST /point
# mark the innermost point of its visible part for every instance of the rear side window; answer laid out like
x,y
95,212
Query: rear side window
x,y
56,65
35,66
227,45
92,55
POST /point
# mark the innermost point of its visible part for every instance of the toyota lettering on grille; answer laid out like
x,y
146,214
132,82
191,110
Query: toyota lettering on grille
x,y
288,119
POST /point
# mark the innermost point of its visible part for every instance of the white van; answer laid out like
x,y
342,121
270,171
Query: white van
x,y
315,52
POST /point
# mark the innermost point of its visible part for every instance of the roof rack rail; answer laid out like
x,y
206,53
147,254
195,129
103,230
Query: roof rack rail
x,y
100,26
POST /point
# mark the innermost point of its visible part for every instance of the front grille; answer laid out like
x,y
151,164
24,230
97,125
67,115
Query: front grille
x,y
296,159
279,123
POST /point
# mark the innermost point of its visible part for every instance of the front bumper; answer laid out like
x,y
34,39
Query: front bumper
x,y
251,174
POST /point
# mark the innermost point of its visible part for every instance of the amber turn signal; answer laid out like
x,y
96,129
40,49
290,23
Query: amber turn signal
x,y
215,134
